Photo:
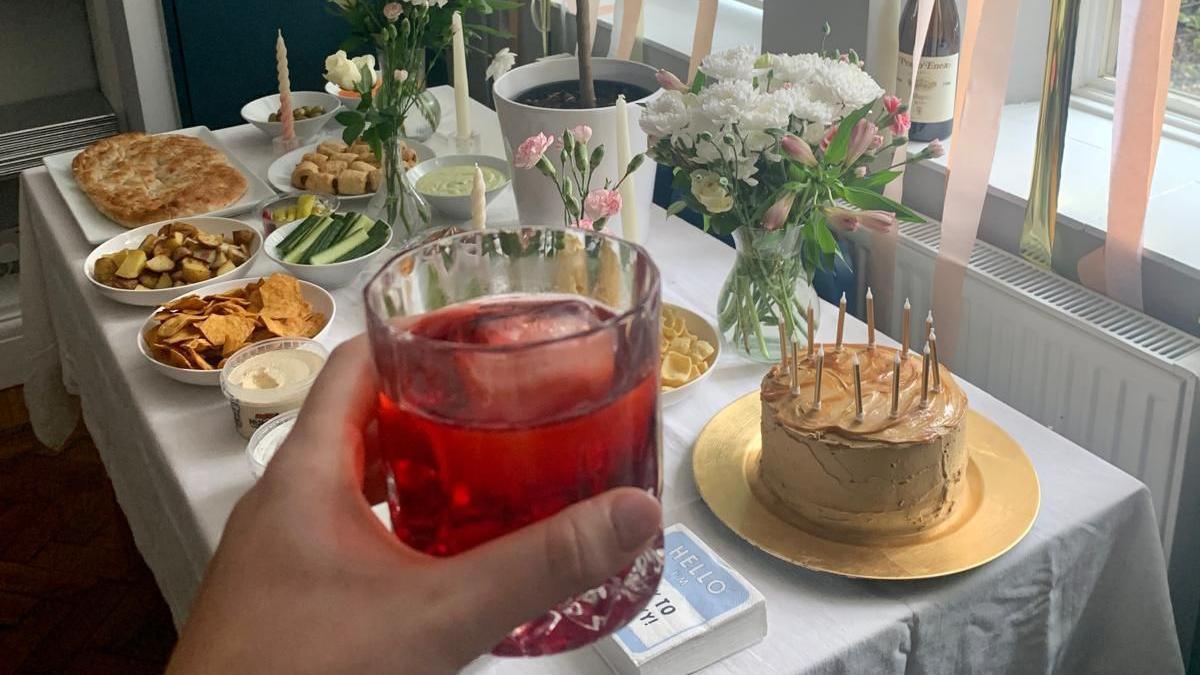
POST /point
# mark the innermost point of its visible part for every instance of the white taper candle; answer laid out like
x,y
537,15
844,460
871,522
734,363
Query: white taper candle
x,y
462,96
629,221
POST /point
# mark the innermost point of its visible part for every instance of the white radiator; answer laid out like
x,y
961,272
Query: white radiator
x,y
1113,380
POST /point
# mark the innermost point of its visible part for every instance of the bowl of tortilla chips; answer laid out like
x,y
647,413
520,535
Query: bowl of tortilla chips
x,y
189,338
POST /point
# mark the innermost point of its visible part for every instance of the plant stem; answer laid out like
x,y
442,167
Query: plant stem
x,y
583,25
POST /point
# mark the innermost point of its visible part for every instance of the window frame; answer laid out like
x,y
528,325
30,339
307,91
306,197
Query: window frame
x,y
1094,87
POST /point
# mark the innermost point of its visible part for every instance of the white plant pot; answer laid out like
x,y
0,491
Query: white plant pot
x,y
538,202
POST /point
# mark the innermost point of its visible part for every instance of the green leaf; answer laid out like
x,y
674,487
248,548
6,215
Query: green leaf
x,y
724,223
698,83
676,208
837,147
347,117
866,199
875,180
825,239
352,131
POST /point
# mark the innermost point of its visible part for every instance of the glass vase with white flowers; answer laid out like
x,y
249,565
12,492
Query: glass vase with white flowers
x,y
401,34
779,150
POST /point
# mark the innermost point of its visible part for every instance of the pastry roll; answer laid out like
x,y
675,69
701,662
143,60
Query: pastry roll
x,y
334,167
362,166
302,172
374,177
331,147
323,183
358,147
316,158
347,157
351,182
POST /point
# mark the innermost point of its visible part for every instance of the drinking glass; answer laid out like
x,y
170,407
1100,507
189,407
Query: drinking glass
x,y
519,375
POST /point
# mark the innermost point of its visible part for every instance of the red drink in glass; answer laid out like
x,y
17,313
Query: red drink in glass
x,y
500,410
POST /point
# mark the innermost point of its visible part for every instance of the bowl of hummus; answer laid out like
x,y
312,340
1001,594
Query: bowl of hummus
x,y
270,378
446,181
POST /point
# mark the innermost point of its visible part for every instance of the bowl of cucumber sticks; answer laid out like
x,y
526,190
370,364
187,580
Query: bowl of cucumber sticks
x,y
328,250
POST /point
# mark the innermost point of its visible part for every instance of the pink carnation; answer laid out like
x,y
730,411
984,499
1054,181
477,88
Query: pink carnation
x,y
891,103
531,150
900,124
584,224
392,11
935,148
602,203
582,133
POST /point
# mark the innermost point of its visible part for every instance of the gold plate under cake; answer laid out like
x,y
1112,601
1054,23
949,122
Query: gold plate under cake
x,y
1002,498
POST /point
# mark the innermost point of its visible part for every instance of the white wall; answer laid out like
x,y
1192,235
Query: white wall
x,y
44,49
130,47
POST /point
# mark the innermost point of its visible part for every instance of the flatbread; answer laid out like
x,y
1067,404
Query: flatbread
x,y
136,179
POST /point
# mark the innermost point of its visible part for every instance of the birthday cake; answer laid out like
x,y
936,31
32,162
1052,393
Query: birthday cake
x,y
894,464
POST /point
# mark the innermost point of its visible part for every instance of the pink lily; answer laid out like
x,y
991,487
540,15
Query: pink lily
x,y
667,80
880,221
843,219
776,216
861,138
798,149
935,148
891,103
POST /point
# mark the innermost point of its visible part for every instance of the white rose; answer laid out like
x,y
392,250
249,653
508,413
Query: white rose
x,y
709,191
502,62
340,70
368,61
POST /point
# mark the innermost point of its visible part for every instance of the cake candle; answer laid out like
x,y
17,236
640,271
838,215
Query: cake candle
x,y
925,379
841,320
817,378
809,321
286,116
905,324
462,110
795,368
928,325
479,201
870,319
937,372
895,411
858,403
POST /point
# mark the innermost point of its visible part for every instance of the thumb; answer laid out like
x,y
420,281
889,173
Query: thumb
x,y
519,576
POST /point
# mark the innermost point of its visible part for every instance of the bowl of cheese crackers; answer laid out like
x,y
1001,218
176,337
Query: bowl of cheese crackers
x,y
189,338
688,349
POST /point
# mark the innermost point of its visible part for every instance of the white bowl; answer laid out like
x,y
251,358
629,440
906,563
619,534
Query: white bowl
x,y
258,111
460,206
154,298
703,330
319,298
332,275
349,101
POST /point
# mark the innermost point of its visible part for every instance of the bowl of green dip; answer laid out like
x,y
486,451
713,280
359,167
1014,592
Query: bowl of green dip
x,y
446,181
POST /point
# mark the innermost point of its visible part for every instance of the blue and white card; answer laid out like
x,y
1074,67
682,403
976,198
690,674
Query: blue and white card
x,y
701,603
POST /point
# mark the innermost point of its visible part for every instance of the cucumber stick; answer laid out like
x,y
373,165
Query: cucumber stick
x,y
323,242
339,249
309,239
377,235
297,234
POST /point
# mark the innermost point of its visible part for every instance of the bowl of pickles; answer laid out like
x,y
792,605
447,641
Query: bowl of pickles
x,y
311,111
285,209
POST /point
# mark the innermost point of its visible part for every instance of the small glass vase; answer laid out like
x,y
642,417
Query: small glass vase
x,y
423,118
396,201
767,285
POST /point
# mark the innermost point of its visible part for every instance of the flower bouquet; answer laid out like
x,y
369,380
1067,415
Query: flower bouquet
x,y
779,150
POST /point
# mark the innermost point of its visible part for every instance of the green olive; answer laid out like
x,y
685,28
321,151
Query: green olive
x,y
273,117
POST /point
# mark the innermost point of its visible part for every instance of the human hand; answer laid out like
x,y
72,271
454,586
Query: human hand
x,y
307,580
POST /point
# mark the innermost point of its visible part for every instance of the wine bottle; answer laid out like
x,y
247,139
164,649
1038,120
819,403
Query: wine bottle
x,y
932,106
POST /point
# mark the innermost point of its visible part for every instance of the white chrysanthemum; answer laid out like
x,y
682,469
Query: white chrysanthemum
x,y
725,102
667,114
731,64
809,107
845,84
797,68
769,111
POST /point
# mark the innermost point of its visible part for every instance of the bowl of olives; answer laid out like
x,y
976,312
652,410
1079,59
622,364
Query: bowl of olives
x,y
311,111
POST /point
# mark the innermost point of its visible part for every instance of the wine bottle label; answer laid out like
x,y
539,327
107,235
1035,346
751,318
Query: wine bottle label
x,y
933,97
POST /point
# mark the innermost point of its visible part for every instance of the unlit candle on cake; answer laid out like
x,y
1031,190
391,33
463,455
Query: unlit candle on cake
x,y
870,319
809,321
629,221
462,96
905,324
285,88
841,320
817,379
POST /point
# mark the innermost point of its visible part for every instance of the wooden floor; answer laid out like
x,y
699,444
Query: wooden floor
x,y
75,596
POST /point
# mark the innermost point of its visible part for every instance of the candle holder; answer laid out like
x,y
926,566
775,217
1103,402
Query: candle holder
x,y
464,145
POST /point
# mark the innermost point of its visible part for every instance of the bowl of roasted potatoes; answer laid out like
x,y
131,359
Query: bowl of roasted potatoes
x,y
149,265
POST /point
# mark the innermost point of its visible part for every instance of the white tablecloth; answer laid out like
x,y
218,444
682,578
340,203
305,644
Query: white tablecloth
x,y
1085,591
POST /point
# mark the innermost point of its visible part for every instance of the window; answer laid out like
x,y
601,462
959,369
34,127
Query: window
x,y
1096,62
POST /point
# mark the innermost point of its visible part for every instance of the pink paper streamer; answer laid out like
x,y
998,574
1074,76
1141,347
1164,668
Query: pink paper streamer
x,y
881,265
971,153
1144,50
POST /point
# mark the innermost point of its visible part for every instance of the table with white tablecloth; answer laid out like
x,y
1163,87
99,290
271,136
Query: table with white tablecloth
x,y
1085,591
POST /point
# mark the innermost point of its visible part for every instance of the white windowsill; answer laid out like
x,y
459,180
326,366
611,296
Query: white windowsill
x,y
670,24
1172,235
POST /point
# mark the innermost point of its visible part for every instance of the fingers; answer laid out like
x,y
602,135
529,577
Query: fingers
x,y
327,441
519,576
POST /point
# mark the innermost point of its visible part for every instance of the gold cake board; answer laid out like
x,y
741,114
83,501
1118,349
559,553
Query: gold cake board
x,y
1000,503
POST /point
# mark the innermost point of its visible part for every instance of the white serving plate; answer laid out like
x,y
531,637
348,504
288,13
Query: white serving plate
x,y
154,298
258,112
703,330
279,174
319,298
97,228
333,275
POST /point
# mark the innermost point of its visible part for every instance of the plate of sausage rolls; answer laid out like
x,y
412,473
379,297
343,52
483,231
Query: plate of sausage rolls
x,y
335,168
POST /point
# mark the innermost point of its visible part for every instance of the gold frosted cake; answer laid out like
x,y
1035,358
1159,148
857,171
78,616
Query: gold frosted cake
x,y
883,475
